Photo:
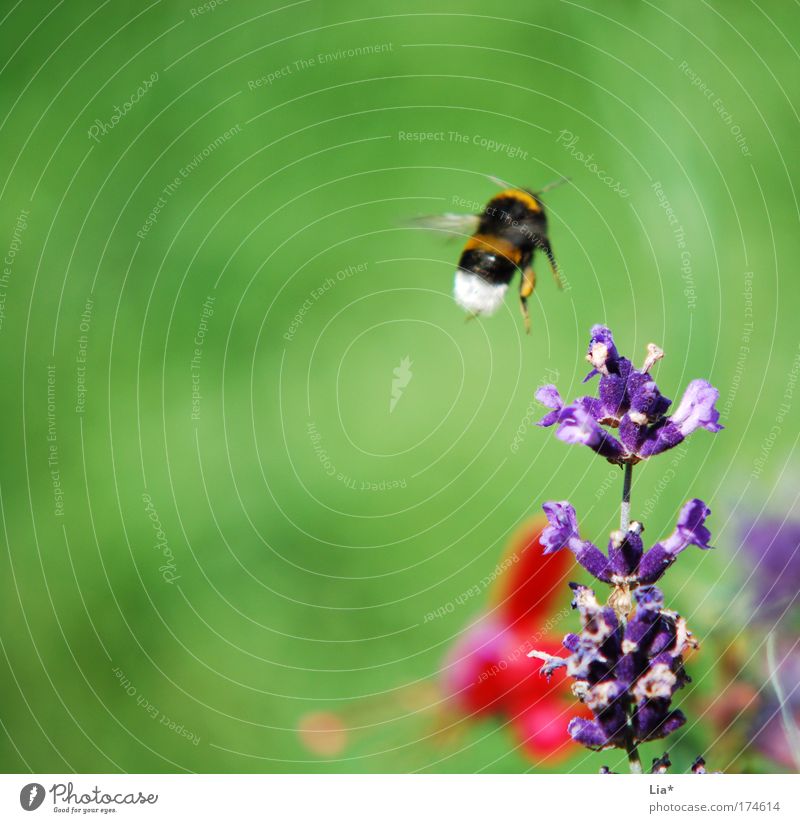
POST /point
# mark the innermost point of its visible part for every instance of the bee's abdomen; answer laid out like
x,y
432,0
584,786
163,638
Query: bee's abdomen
x,y
491,256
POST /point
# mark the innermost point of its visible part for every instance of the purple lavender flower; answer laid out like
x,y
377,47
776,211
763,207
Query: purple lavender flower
x,y
627,660
772,548
626,672
626,562
630,401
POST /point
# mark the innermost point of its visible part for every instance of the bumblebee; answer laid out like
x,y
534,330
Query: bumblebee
x,y
504,238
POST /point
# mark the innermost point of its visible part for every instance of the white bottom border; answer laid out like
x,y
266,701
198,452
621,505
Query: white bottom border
x,y
488,798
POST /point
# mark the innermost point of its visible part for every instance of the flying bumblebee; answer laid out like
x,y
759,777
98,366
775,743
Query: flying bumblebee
x,y
504,237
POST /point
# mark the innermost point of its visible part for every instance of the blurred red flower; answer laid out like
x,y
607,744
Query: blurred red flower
x,y
487,671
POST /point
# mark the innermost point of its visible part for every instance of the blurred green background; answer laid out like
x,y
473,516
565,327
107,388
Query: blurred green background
x,y
210,512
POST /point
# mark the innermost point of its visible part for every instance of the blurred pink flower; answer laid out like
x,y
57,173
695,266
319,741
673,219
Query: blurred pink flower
x,y
487,671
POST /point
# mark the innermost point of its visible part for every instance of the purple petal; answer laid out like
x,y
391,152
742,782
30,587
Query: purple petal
x,y
654,563
660,437
578,426
602,351
649,598
639,629
593,560
697,409
562,525
690,531
588,733
652,721
549,419
591,405
588,662
625,551
633,436
607,700
673,722
647,404
562,531
613,391
549,397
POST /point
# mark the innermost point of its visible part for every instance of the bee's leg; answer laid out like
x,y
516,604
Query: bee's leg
x,y
544,245
526,287
523,305
471,316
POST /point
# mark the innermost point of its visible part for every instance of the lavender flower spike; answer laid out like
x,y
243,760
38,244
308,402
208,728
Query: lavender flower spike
x,y
626,672
627,662
629,401
689,531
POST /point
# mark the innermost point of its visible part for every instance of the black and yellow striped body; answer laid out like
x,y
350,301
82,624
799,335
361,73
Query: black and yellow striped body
x,y
511,227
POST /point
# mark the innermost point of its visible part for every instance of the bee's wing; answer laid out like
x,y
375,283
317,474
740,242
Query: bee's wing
x,y
449,222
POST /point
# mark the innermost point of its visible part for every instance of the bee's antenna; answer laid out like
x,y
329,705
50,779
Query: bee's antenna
x,y
554,185
501,184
